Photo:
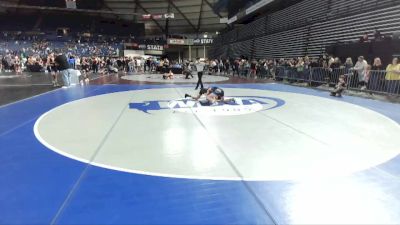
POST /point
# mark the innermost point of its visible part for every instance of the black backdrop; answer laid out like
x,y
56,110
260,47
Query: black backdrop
x,y
385,49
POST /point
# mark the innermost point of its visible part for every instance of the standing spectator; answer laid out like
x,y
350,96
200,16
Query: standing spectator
x,y
348,65
335,71
393,77
367,75
377,76
61,62
227,66
253,69
1,63
148,65
95,65
221,66
71,62
236,66
377,65
360,71
300,68
78,63
131,65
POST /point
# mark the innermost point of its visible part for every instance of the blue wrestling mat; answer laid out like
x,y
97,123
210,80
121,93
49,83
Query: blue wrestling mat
x,y
141,154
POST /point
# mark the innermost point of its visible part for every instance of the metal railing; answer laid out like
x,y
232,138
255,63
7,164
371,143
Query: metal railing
x,y
372,81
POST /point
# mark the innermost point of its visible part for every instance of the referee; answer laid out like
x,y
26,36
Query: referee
x,y
200,68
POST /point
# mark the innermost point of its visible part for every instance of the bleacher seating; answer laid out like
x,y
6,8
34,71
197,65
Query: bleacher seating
x,y
349,29
76,24
346,7
309,26
231,36
297,15
83,49
256,28
17,23
243,48
287,43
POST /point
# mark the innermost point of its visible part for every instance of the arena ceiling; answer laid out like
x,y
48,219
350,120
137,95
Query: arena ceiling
x,y
191,16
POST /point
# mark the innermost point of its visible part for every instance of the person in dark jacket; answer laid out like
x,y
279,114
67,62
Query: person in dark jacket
x,y
61,61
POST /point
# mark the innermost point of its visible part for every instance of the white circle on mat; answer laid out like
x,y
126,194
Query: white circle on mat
x,y
305,138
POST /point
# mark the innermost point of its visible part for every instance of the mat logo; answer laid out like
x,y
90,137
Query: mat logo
x,y
241,105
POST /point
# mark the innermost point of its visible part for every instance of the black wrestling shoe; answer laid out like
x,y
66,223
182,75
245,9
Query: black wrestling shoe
x,y
187,96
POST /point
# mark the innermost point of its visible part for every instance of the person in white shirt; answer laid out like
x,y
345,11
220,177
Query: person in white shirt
x,y
139,65
78,63
361,69
200,68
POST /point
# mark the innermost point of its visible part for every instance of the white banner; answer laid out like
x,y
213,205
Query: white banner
x,y
146,16
169,15
233,19
157,16
173,41
133,53
223,20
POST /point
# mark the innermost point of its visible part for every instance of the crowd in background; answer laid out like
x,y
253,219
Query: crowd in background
x,y
31,52
327,69
35,54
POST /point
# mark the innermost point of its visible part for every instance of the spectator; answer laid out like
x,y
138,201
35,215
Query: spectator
x,y
366,78
393,77
364,38
71,62
360,71
62,64
348,64
227,66
377,76
300,68
377,35
334,71
340,87
377,65
253,69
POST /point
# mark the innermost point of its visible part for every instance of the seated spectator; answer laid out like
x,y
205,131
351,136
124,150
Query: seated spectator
x,y
364,38
187,71
340,87
168,76
377,35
